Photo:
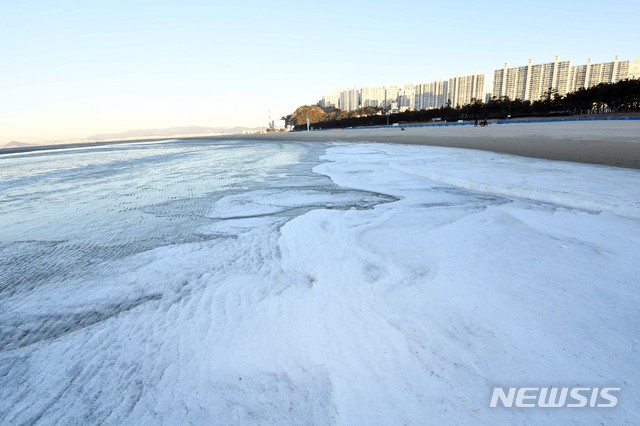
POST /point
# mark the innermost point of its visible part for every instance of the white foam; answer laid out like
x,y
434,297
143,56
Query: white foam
x,y
489,270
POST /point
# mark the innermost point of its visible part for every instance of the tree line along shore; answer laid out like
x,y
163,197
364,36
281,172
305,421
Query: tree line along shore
x,y
620,97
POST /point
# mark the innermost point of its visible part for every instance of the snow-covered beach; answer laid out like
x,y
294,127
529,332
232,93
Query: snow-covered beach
x,y
285,282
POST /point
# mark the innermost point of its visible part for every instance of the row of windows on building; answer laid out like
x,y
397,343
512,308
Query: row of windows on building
x,y
533,81
456,91
529,82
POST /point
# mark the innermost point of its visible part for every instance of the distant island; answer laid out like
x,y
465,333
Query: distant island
x,y
16,144
170,132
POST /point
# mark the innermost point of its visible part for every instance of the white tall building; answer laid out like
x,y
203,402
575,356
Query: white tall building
x,y
463,90
589,75
431,95
530,82
554,76
391,95
350,100
373,96
510,82
634,69
406,99
381,97
331,99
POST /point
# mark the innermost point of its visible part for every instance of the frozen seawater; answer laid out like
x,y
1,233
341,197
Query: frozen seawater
x,y
310,283
112,256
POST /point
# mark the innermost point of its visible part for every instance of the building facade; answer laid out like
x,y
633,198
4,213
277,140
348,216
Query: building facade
x,y
406,98
350,100
431,95
391,93
373,97
379,97
331,99
464,90
529,82
634,69
532,82
589,75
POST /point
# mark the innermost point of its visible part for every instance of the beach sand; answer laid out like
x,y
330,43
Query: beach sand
x,y
607,142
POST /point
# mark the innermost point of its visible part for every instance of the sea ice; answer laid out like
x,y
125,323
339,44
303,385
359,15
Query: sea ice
x,y
213,283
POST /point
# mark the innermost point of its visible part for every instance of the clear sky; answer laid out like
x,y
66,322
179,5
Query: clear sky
x,y
75,68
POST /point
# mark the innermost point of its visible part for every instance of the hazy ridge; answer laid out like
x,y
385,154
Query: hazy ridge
x,y
181,131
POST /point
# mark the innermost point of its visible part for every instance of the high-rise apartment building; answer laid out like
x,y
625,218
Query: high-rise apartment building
x,y
380,97
463,90
406,99
531,82
457,90
510,82
350,100
331,99
391,94
431,95
551,76
589,75
634,69
528,82
372,96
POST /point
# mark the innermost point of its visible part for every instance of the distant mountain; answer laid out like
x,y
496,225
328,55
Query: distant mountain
x,y
170,132
16,144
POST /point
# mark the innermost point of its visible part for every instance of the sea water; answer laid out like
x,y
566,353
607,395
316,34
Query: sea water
x,y
65,212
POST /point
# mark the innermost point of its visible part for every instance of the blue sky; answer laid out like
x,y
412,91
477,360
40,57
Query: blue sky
x,y
75,68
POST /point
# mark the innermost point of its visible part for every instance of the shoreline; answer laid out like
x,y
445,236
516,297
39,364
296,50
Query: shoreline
x,y
604,142
608,142
35,148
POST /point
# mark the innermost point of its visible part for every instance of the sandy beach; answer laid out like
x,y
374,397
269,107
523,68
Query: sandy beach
x,y
607,142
